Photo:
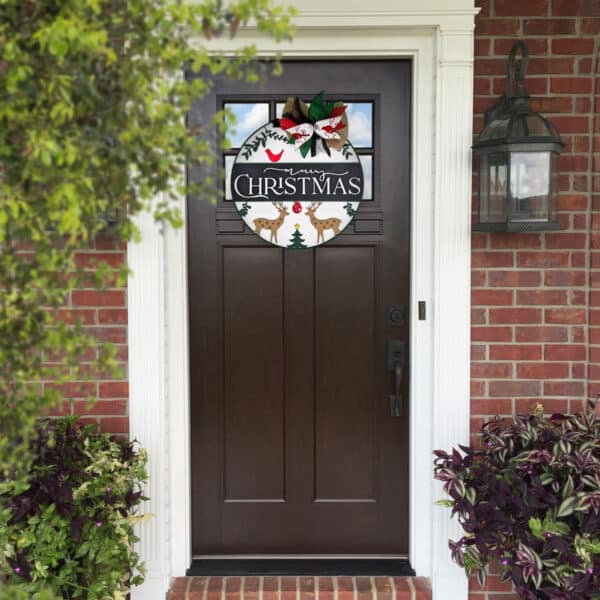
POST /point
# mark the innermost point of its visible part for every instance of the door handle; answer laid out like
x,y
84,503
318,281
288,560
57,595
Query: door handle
x,y
396,399
395,363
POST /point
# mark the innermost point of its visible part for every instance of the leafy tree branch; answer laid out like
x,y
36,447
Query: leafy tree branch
x,y
92,125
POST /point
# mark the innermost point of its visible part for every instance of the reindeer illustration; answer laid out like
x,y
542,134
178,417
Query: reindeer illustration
x,y
322,224
272,225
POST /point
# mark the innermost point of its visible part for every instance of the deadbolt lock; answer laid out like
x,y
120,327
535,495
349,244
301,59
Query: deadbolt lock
x,y
395,315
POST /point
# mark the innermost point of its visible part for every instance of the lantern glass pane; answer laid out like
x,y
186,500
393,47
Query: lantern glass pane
x,y
493,188
536,125
495,130
530,186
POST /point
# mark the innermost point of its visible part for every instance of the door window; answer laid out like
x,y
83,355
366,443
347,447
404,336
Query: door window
x,y
252,115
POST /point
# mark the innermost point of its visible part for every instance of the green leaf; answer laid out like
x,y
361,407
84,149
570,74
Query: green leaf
x,y
58,46
319,109
566,507
568,487
535,526
447,503
305,148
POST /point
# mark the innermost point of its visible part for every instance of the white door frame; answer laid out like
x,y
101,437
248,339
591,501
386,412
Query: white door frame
x,y
440,44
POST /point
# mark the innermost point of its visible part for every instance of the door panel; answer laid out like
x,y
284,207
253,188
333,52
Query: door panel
x,y
294,449
252,317
345,457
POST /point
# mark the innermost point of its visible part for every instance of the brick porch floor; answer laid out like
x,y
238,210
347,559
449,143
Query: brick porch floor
x,y
300,588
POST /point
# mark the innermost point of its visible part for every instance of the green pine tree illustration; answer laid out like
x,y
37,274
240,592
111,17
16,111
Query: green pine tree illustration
x,y
297,241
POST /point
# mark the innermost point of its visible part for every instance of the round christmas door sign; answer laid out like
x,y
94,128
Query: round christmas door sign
x,y
297,181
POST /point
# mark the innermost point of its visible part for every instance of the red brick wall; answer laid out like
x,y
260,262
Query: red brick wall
x,y
104,314
535,328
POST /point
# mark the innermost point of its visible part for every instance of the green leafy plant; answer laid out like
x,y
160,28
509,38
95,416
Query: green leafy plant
x,y
92,132
529,499
69,528
12,592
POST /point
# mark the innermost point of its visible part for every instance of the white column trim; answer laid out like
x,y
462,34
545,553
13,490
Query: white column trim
x,y
147,407
452,274
177,372
440,44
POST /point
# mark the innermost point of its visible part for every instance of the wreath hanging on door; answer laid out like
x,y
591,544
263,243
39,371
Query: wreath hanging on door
x,y
297,181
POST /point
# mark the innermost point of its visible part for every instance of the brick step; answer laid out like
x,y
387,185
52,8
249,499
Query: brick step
x,y
300,588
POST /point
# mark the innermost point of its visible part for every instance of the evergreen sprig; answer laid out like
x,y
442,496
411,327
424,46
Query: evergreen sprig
x,y
260,141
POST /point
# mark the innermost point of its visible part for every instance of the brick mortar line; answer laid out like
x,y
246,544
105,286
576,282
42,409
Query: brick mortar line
x,y
336,588
354,588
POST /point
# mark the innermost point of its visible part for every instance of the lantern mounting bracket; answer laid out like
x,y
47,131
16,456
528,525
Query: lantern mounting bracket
x,y
515,77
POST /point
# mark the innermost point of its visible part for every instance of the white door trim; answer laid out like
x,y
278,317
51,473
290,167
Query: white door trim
x,y
440,44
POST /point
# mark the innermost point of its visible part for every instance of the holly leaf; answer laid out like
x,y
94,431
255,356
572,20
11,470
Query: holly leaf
x,y
305,148
319,109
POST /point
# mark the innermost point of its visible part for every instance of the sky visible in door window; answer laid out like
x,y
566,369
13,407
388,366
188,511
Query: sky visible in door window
x,y
249,117
360,124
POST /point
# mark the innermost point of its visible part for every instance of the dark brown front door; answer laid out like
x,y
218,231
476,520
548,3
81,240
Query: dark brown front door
x,y
294,448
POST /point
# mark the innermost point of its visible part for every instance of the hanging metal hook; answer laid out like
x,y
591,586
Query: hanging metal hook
x,y
517,72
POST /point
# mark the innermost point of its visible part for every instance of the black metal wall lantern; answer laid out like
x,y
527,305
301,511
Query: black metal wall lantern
x,y
518,153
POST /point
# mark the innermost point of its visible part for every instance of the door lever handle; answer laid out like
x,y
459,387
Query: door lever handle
x,y
396,399
396,366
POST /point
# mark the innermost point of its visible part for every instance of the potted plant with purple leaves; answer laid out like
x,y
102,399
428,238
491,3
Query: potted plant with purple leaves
x,y
69,529
529,499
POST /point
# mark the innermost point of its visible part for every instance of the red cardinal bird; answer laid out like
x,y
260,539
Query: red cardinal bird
x,y
274,157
